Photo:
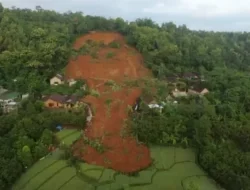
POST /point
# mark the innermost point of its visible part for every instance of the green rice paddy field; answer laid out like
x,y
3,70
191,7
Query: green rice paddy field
x,y
173,169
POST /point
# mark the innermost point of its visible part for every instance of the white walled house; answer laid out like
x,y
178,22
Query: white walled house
x,y
71,82
57,79
176,93
8,101
200,92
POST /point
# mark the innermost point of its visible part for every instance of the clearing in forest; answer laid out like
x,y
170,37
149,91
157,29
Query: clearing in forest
x,y
107,65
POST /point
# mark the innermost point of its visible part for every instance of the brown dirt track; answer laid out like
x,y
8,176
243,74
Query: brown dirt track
x,y
124,153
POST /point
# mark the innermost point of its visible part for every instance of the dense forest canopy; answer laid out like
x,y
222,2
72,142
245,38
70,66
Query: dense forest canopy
x,y
35,44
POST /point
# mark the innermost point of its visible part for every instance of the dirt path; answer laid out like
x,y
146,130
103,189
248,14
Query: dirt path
x,y
122,152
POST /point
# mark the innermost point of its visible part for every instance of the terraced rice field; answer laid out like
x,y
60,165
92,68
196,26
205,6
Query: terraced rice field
x,y
68,136
172,169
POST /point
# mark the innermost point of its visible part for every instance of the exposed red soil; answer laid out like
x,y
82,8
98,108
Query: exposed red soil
x,y
124,153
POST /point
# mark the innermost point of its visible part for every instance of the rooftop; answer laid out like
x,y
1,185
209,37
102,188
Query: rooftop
x,y
190,74
59,76
9,95
198,87
62,98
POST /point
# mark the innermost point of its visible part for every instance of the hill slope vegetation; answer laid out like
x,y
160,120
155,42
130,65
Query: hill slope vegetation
x,y
36,44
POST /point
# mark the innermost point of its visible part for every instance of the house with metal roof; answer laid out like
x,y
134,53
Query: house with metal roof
x,y
8,101
198,89
61,101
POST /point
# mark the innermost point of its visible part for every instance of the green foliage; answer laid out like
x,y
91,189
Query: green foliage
x,y
217,125
110,83
94,55
27,134
75,118
68,155
94,93
192,186
94,143
25,156
39,151
47,137
209,125
110,55
114,44
65,89
108,103
114,86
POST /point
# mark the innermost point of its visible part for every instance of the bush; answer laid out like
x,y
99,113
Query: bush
x,y
110,83
84,50
94,93
114,44
101,44
110,55
94,55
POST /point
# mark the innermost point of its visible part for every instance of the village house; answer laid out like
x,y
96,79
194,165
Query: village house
x,y
152,104
191,75
57,79
177,93
198,89
172,78
71,82
171,99
8,100
61,101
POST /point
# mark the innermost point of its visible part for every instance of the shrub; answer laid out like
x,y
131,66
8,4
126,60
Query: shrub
x,y
84,50
110,83
94,55
94,93
101,44
114,44
110,55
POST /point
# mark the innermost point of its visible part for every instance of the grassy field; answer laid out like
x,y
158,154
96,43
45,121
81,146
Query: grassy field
x,y
172,169
65,133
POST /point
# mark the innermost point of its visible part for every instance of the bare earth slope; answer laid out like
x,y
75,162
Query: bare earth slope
x,y
124,153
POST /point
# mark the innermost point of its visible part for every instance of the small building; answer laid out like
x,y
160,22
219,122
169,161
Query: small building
x,y
8,101
71,82
172,78
191,75
177,93
61,101
57,79
155,105
54,101
72,101
11,106
9,96
25,96
171,99
198,91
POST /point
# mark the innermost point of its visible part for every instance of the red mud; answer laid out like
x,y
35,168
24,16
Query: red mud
x,y
124,153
